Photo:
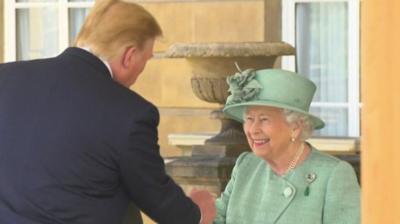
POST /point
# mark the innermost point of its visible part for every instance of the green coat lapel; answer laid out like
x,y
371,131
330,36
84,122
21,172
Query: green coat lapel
x,y
281,193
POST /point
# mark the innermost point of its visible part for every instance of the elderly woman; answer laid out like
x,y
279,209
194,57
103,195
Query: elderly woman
x,y
284,180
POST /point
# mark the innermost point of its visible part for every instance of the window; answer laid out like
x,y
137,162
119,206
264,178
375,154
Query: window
x,y
41,28
325,34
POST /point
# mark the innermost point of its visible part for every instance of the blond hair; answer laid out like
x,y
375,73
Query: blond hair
x,y
113,25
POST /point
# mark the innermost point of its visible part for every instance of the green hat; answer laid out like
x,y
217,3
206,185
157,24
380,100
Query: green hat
x,y
270,87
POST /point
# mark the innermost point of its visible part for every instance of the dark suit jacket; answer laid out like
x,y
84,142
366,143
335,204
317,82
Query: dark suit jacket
x,y
77,147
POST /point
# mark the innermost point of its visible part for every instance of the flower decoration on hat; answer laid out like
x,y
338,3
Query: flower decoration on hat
x,y
243,86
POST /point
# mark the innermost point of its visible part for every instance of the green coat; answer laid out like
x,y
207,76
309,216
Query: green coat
x,y
256,195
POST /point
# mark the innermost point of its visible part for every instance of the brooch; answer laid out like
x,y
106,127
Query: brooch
x,y
309,178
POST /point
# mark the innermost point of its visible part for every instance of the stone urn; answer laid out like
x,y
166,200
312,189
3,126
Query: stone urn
x,y
211,64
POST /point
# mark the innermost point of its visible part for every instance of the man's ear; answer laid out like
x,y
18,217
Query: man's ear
x,y
128,56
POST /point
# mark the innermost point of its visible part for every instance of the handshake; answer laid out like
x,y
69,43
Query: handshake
x,y
206,202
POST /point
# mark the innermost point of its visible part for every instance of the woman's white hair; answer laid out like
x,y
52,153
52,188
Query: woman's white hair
x,y
293,116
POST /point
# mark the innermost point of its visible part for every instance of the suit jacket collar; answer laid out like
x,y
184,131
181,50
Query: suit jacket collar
x,y
88,58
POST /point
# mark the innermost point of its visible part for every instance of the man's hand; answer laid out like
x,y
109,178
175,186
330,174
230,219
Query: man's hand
x,y
206,203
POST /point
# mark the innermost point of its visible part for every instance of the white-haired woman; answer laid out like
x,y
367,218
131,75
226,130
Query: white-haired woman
x,y
284,179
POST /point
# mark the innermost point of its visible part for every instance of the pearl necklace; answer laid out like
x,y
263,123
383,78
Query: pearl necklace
x,y
295,159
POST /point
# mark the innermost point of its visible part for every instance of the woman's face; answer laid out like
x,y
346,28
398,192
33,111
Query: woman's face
x,y
267,131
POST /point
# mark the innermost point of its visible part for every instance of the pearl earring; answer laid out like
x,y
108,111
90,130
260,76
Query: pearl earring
x,y
293,139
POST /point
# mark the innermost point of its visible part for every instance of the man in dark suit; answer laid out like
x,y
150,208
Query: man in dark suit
x,y
76,145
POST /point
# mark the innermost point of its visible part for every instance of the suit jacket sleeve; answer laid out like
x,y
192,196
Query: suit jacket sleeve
x,y
222,202
143,174
342,202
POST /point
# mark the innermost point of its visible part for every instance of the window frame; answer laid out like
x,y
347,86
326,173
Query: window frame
x,y
353,104
10,8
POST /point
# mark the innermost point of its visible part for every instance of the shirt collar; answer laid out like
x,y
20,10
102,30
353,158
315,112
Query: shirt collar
x,y
101,59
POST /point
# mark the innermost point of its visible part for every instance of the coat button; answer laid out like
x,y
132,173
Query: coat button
x,y
287,192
